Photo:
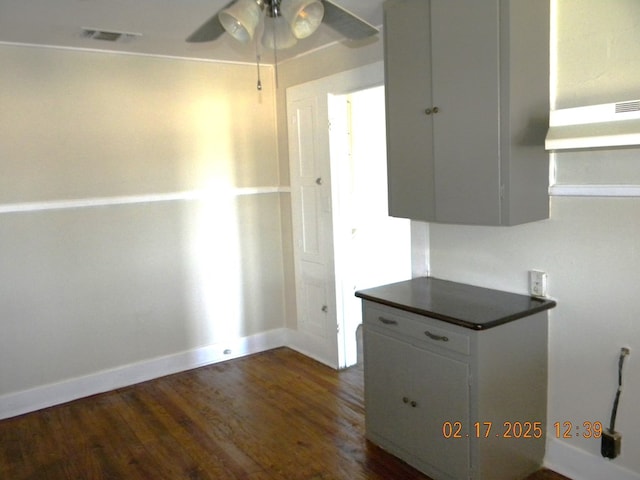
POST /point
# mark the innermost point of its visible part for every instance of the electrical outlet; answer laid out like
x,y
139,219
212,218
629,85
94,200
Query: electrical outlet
x,y
537,283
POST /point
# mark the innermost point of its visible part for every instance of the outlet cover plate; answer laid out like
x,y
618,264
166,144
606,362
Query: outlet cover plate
x,y
537,283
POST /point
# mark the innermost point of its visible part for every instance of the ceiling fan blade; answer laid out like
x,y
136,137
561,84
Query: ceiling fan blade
x,y
346,23
209,30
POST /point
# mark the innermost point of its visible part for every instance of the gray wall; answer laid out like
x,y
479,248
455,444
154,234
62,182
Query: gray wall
x,y
139,211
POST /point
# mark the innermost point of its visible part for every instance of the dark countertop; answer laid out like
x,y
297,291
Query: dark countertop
x,y
471,307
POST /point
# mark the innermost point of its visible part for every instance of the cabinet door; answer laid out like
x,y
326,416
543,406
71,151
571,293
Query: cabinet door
x,y
440,391
465,84
442,57
409,393
410,169
387,388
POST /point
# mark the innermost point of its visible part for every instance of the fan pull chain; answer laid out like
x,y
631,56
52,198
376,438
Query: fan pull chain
x,y
259,86
275,56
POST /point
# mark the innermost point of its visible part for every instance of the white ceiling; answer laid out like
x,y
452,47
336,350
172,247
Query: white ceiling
x,y
164,25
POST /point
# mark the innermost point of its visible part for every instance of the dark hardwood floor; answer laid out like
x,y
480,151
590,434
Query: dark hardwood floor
x,y
275,415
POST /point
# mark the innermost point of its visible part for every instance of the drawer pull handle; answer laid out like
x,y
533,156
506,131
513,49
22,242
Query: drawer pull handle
x,y
387,321
440,338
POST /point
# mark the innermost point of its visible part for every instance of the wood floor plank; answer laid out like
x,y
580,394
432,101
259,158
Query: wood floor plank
x,y
203,439
277,415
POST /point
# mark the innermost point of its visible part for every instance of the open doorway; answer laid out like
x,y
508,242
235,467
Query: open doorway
x,y
371,248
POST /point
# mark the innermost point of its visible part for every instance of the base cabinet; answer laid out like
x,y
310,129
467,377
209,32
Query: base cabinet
x,y
442,397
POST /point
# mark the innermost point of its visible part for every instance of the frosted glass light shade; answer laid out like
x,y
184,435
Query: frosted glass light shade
x,y
277,34
304,16
241,19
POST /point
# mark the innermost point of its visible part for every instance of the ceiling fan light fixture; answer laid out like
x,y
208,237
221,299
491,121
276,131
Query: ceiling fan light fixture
x,y
304,16
277,34
241,19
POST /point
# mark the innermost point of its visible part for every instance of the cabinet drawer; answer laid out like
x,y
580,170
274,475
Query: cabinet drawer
x,y
416,328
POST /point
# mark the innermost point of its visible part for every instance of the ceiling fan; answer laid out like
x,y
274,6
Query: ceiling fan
x,y
278,24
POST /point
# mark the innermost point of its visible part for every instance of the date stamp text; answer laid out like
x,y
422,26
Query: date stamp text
x,y
520,430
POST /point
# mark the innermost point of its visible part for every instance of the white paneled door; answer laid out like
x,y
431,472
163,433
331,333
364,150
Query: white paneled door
x,y
312,226
341,228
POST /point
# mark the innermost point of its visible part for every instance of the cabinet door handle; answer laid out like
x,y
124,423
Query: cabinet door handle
x,y
413,403
433,110
440,338
387,321
436,109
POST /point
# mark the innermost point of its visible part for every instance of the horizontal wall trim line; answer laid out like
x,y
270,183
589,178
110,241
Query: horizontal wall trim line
x,y
134,199
595,190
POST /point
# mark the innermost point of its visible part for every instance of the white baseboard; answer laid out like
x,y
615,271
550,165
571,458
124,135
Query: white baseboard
x,y
577,464
14,404
309,346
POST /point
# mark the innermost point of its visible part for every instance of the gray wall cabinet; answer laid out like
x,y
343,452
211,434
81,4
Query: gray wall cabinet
x,y
467,86
454,402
